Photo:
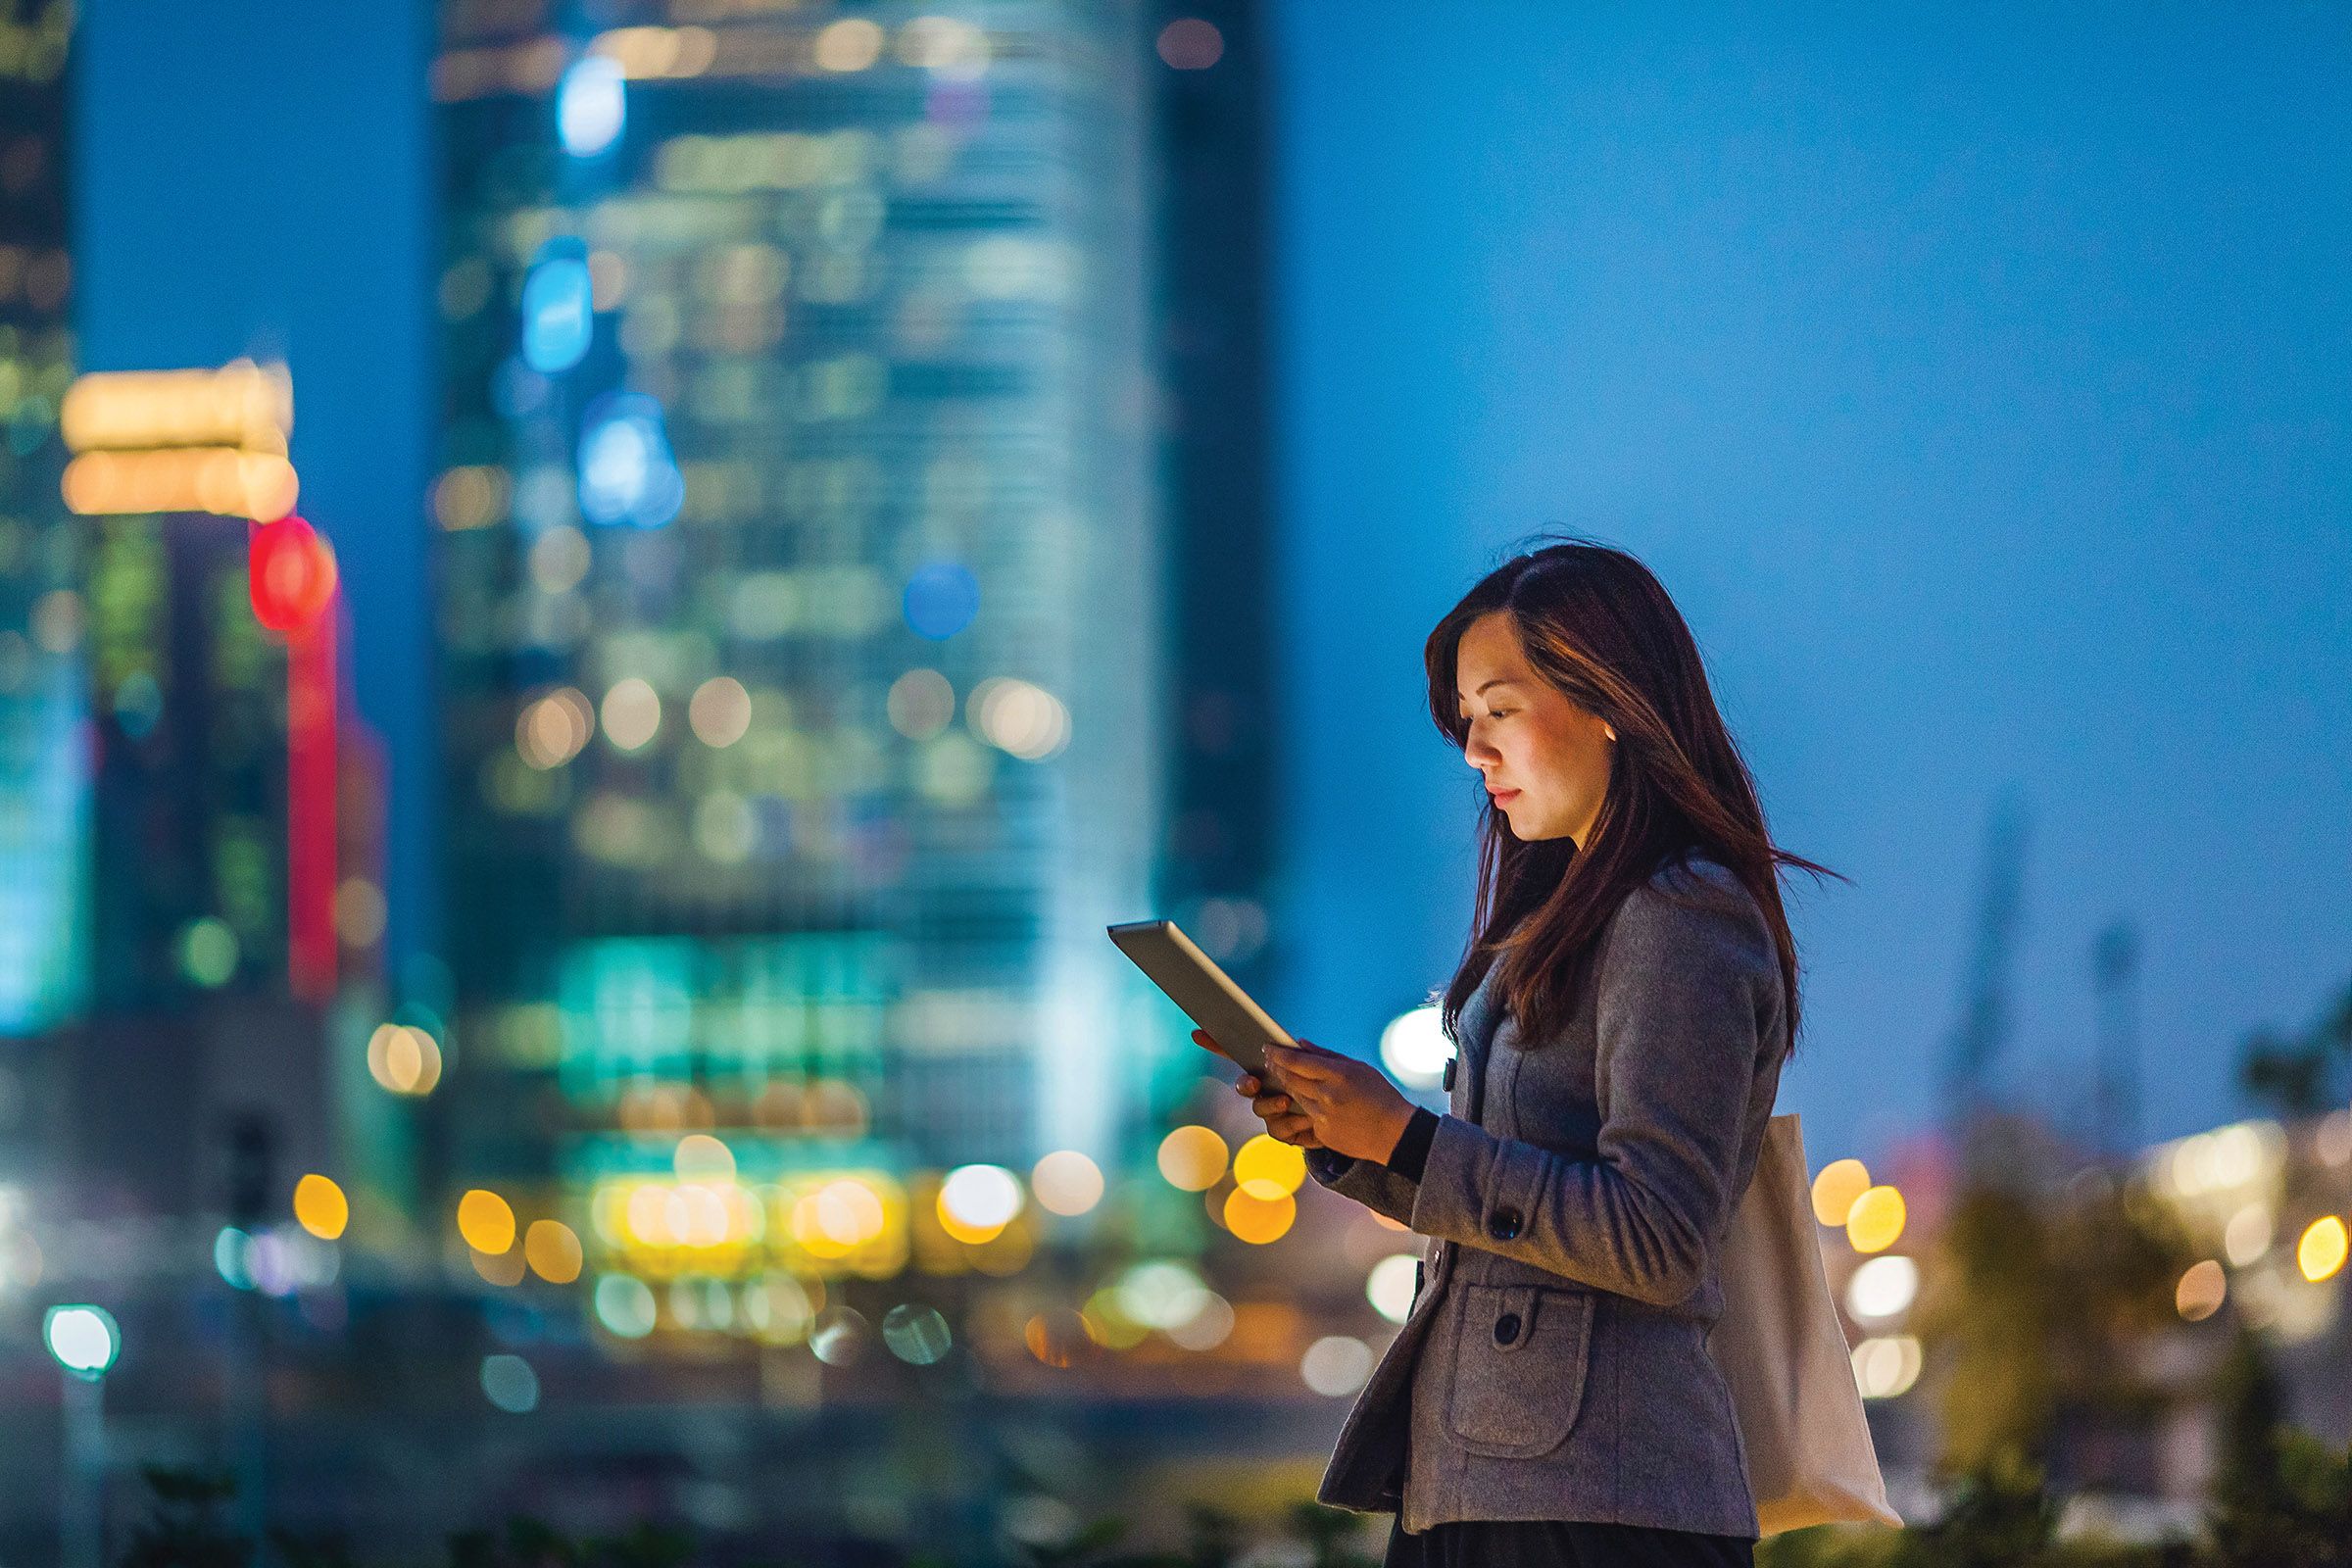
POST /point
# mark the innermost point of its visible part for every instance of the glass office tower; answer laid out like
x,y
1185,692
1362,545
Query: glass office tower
x,y
44,788
802,602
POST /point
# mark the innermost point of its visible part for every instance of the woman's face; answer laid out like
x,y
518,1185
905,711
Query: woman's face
x,y
1546,761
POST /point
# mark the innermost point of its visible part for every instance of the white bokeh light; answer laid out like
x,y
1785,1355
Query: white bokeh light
x,y
591,106
981,1196
1336,1367
1415,1049
1390,1287
84,1338
1882,1288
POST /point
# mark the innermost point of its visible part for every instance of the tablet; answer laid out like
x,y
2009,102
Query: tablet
x,y
1207,994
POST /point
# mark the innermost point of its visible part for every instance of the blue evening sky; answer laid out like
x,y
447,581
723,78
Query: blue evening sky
x,y
1979,381
1976,381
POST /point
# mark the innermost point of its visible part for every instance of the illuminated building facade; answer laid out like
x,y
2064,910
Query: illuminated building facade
x,y
207,645
186,688
44,809
1213,159
803,603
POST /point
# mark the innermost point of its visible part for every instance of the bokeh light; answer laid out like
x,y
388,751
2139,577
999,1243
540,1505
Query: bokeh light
x,y
1390,1286
1258,1220
916,1334
1193,1157
976,1202
1835,1190
503,1269
1882,1288
1067,1182
404,1059
1207,1328
1876,1221
592,106
631,714
625,1306
1336,1365
701,1157
209,951
627,472
719,712
320,1208
1160,1294
85,1340
2248,1234
1885,1368
2320,1254
920,704
2201,1291
1056,1337
553,1250
1267,1169
560,558
558,321
486,1221
941,600
1191,43
509,1382
1110,1324
551,729
850,44
837,1336
946,46
1415,1049
1028,721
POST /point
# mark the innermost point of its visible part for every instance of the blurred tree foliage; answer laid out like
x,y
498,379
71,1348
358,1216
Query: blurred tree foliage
x,y
2039,1288
2280,1497
2280,1500
2305,1072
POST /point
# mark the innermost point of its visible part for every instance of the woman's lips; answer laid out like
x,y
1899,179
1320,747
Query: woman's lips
x,y
1502,796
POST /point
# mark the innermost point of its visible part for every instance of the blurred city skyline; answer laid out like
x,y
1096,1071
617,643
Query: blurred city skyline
x,y
578,987
1977,388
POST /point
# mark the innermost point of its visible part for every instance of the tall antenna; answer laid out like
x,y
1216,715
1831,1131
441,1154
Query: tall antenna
x,y
2115,971
1983,1032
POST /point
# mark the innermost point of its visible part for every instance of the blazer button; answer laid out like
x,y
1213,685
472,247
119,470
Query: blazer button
x,y
1503,1223
1506,1329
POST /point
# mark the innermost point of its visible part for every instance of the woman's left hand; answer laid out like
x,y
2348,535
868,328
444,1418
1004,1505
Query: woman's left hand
x,y
1355,1109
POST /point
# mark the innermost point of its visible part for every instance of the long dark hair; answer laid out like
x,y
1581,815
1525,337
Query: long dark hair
x,y
1596,625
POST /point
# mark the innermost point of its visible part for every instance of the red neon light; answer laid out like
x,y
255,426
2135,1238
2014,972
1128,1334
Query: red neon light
x,y
291,574
311,767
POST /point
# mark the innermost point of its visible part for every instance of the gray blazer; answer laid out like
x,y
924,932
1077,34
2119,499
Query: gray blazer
x,y
1554,1364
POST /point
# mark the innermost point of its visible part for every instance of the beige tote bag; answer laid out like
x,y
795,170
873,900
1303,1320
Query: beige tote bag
x,y
1779,1347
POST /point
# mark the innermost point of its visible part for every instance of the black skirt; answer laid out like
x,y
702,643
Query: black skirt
x,y
1553,1544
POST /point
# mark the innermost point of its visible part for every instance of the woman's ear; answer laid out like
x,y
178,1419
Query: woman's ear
x,y
1610,733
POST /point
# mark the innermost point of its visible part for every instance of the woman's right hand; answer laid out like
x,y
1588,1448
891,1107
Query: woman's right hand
x,y
1284,1121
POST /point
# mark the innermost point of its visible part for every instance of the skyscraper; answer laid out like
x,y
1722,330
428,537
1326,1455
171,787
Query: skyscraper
x,y
45,811
803,591
214,778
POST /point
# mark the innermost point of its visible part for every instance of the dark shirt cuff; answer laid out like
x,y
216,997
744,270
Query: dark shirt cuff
x,y
1411,1152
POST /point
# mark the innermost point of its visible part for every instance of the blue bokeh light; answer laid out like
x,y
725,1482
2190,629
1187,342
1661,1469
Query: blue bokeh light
x,y
942,598
558,314
627,473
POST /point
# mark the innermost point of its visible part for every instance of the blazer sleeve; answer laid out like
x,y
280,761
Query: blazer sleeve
x,y
1686,1009
1370,1183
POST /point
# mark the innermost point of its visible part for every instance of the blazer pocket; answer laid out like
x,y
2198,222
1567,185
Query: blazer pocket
x,y
1518,1369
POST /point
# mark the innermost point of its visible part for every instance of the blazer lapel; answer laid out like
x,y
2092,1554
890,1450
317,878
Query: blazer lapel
x,y
1476,1032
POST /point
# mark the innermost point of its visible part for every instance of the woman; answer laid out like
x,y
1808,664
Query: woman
x,y
1621,1017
